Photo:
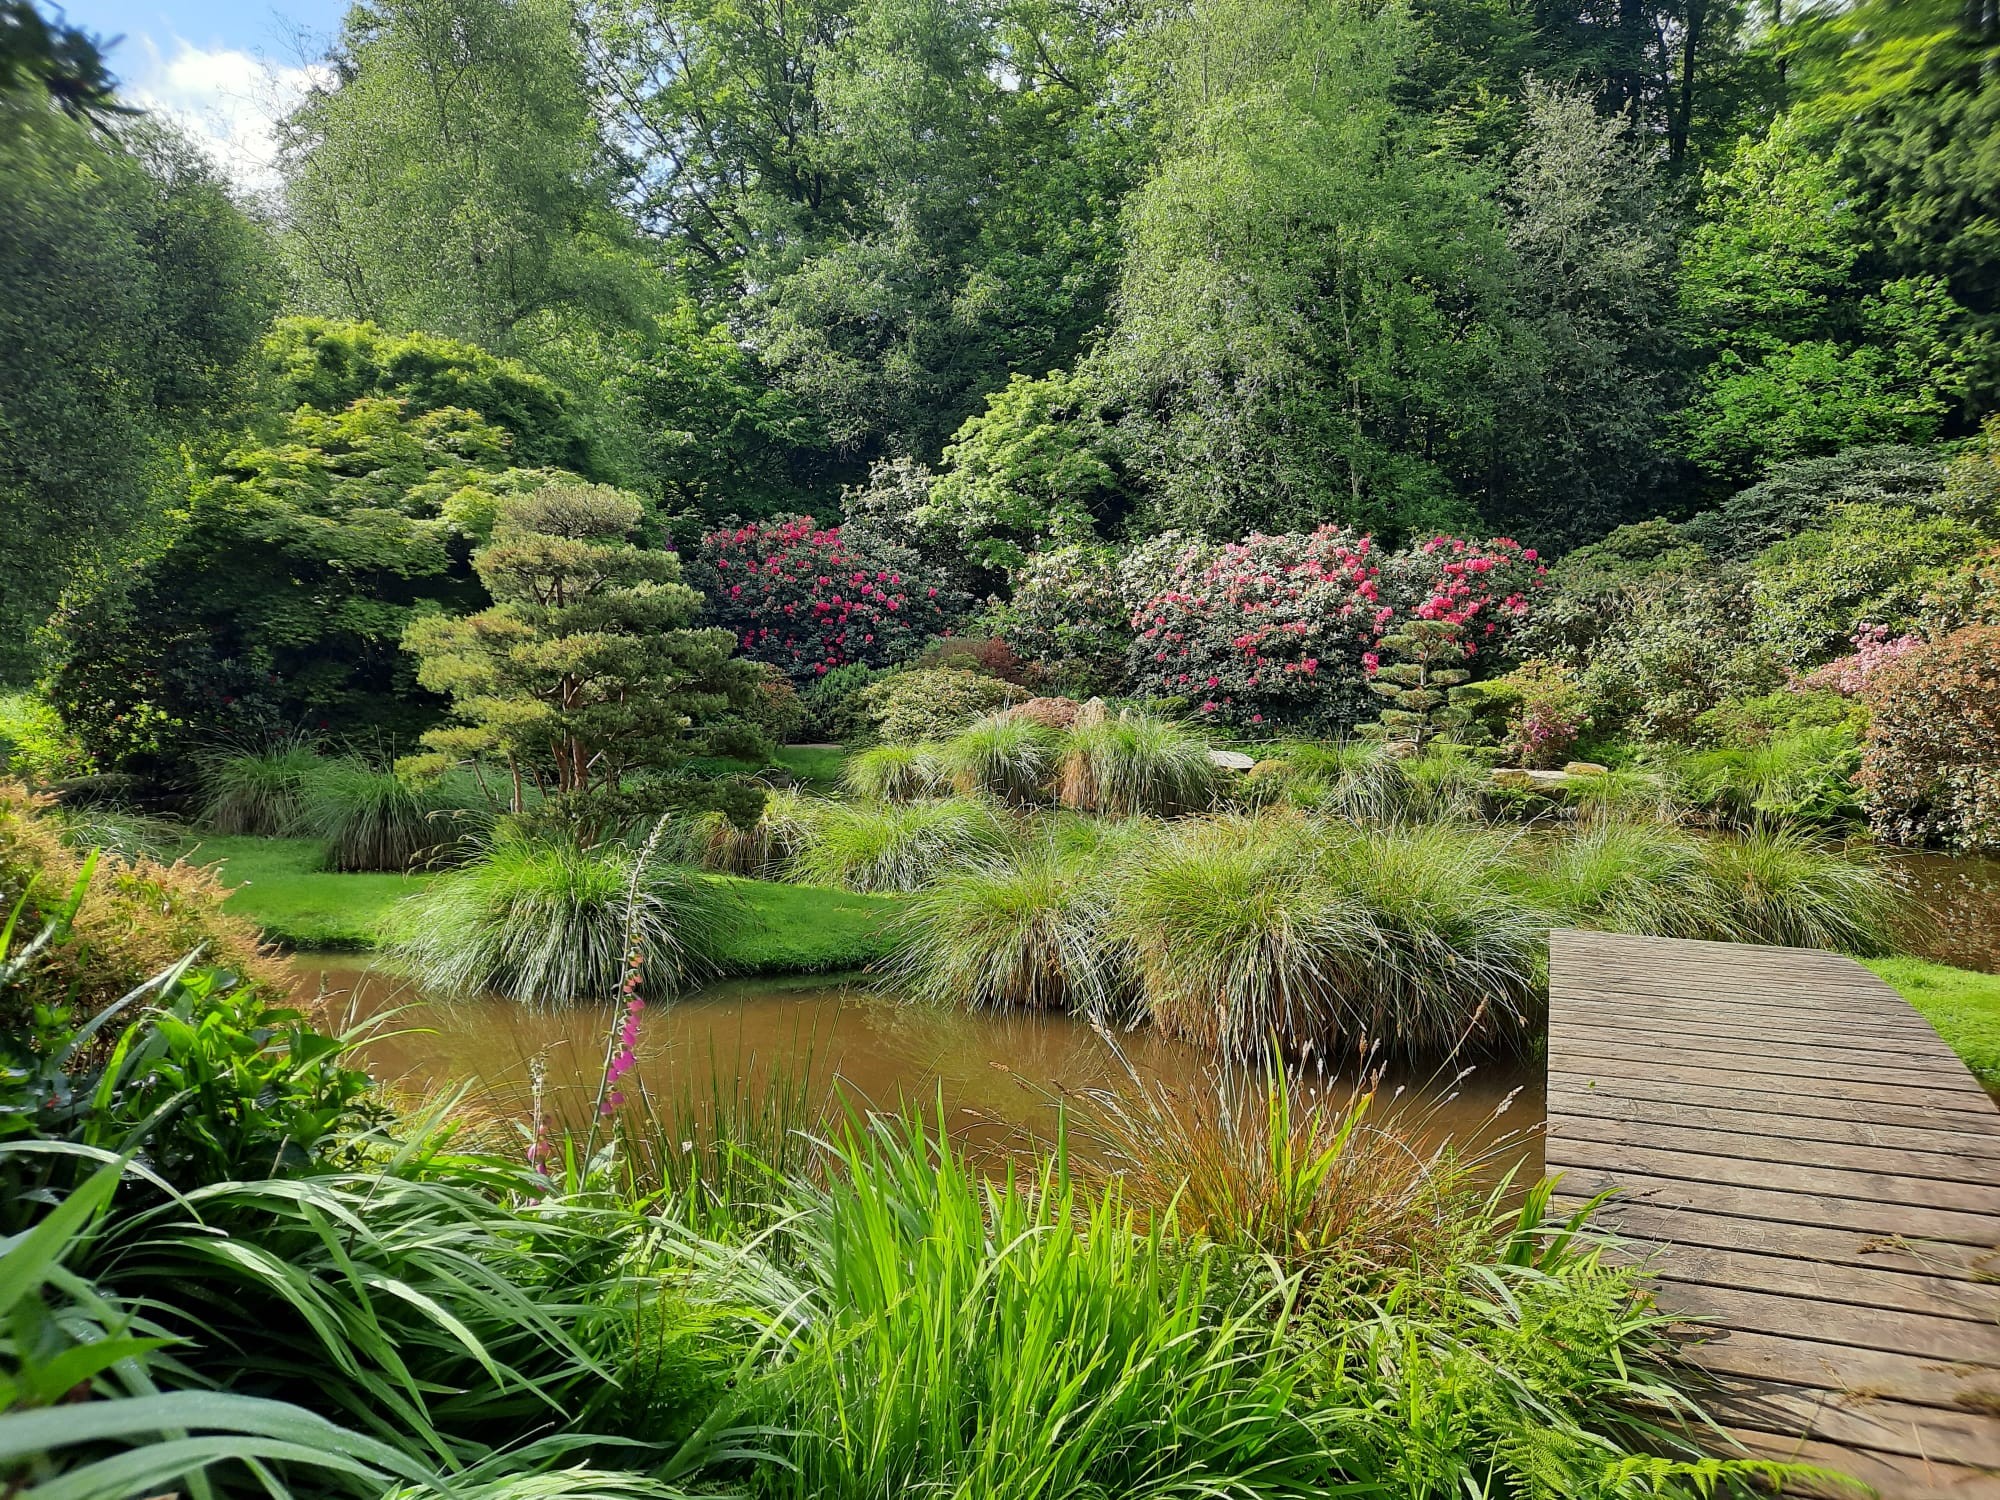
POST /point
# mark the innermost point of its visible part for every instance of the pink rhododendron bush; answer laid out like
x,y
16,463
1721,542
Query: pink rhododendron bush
x,y
801,597
1284,629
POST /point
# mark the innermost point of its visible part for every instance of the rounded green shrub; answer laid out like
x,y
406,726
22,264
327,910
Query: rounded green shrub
x,y
909,708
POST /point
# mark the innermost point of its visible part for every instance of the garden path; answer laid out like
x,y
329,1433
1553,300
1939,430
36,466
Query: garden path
x,y
1816,1176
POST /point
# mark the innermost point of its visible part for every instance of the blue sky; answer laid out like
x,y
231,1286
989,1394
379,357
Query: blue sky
x,y
223,68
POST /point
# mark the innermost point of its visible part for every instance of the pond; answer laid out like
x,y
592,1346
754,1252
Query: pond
x,y
997,1076
1959,895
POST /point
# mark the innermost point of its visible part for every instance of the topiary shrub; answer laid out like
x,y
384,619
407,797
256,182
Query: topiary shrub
x,y
136,918
1930,769
911,707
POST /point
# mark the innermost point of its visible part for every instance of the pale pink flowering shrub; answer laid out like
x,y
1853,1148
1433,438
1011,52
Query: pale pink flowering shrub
x,y
1849,676
798,596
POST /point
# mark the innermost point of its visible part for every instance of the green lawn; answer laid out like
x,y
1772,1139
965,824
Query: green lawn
x,y
1962,1004
281,888
817,768
786,929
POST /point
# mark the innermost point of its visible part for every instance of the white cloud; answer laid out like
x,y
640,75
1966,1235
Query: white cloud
x,y
227,99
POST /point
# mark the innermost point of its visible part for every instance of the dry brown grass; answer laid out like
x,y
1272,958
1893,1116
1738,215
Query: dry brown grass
x,y
138,916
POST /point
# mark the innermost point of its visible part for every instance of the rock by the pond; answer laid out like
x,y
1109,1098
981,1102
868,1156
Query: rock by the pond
x,y
1095,711
1586,768
1524,779
1231,760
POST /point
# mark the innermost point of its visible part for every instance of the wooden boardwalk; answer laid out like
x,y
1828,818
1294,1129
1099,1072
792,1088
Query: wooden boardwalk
x,y
1815,1173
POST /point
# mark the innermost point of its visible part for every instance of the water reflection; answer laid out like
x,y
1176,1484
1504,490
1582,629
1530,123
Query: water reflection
x,y
997,1076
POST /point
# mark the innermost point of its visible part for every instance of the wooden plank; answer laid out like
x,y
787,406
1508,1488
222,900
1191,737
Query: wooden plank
x,y
1890,1477
1888,1428
1928,1191
1585,1052
1910,1032
1669,1091
1861,1286
1952,1340
1839,1368
1976,1152
1973,1230
1835,1047
1641,1035
1748,1145
1824,1089
1669,1225
1810,1177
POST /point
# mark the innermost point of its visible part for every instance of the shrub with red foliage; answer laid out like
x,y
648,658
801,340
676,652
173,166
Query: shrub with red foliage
x,y
1930,771
798,596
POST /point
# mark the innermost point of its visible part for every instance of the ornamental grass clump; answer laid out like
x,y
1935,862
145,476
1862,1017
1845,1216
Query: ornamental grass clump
x,y
258,793
1262,1164
1003,756
1234,939
765,850
1453,958
897,773
1024,930
544,923
376,820
1780,886
1329,940
1133,765
897,848
1641,878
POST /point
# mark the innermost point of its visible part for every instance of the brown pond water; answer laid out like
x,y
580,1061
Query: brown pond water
x,y
998,1077
1960,897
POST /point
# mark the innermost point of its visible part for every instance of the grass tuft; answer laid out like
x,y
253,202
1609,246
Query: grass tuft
x,y
375,820
1002,756
1135,765
897,848
1783,887
1025,930
896,773
544,923
258,793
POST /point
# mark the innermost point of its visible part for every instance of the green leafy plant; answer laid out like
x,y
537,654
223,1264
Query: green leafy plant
x,y
911,708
